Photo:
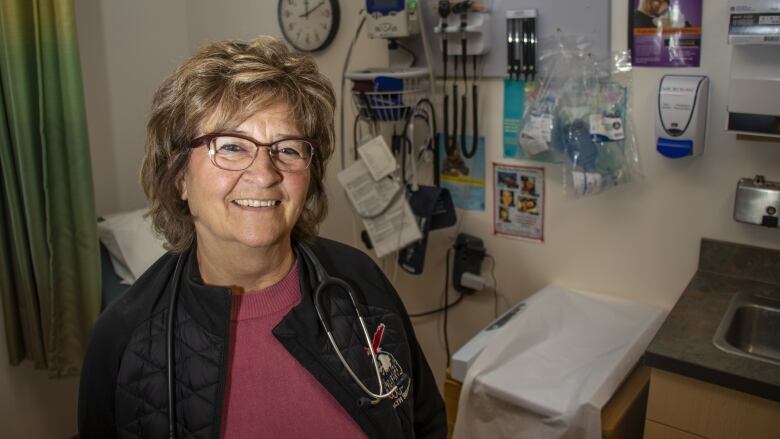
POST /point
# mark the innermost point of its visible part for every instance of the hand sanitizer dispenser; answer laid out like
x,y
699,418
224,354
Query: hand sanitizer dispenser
x,y
681,119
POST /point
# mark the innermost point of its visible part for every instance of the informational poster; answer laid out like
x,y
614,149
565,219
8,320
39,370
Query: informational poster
x,y
665,33
464,176
518,201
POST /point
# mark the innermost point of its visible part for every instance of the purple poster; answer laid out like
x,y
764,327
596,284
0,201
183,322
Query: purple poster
x,y
665,33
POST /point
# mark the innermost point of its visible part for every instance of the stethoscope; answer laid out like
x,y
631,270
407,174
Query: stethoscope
x,y
324,281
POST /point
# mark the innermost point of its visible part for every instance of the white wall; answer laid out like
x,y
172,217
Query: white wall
x,y
639,241
127,49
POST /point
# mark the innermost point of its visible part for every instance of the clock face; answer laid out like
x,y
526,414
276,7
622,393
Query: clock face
x,y
309,25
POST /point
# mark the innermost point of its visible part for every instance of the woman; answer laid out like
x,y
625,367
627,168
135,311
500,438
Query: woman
x,y
237,144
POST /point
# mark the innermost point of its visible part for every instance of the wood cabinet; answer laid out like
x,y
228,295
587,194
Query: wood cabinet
x,y
682,407
621,418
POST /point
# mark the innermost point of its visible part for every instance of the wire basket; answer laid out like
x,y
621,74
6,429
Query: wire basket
x,y
386,94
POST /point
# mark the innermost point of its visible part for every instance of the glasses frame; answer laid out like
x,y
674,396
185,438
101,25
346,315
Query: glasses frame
x,y
207,138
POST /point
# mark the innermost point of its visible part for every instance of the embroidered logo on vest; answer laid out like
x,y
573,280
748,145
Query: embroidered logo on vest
x,y
389,369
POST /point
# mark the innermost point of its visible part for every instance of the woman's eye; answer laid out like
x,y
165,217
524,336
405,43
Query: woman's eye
x,y
230,147
289,152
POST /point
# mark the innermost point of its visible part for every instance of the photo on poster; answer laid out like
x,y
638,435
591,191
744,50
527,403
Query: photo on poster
x,y
463,176
518,202
665,33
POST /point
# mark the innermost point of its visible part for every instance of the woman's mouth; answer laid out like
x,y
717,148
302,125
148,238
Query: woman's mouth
x,y
256,203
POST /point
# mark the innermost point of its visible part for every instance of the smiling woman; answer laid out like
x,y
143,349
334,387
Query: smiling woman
x,y
226,334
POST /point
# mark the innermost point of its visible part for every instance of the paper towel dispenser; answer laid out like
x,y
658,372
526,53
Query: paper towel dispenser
x,y
754,83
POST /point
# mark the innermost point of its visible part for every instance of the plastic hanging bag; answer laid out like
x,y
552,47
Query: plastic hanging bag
x,y
538,132
595,128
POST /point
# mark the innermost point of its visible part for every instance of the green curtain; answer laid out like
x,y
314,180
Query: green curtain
x,y
49,255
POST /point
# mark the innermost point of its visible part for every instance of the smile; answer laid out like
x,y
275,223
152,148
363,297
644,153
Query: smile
x,y
257,203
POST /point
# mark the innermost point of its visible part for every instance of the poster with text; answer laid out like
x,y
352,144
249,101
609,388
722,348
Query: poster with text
x,y
665,33
518,201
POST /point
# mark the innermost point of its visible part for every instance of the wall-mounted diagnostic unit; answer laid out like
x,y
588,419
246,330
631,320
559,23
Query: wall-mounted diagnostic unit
x,y
392,18
681,117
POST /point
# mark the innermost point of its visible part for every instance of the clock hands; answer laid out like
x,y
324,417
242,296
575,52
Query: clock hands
x,y
309,11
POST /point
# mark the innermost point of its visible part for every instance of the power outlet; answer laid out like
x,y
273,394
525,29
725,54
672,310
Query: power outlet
x,y
469,252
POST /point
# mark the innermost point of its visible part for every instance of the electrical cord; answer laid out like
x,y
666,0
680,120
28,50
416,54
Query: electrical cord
x,y
344,86
446,288
495,284
405,49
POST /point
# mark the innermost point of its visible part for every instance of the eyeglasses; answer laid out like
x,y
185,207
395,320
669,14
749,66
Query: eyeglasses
x,y
235,152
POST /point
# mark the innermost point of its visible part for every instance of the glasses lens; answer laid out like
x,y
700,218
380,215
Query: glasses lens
x,y
292,154
233,153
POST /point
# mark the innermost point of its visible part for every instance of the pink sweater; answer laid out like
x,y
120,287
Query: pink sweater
x,y
268,393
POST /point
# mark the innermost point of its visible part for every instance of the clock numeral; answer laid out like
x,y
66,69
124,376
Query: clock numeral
x,y
324,26
326,13
287,13
291,25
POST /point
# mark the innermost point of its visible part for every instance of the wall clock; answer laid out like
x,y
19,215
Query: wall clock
x,y
309,25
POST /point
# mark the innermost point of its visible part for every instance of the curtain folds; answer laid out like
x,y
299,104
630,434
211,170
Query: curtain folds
x,y
49,255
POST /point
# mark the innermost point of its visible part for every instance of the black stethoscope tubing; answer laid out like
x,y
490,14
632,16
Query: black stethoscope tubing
x,y
324,281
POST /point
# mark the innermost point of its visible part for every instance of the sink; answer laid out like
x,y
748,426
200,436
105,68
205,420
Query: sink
x,y
751,328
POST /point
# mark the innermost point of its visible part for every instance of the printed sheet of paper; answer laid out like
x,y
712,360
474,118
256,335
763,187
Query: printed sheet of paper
x,y
396,227
377,157
518,201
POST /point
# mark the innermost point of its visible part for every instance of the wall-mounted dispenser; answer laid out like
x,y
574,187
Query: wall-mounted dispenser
x,y
754,83
681,118
757,201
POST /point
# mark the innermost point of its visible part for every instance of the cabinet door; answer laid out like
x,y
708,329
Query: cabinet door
x,y
710,411
654,430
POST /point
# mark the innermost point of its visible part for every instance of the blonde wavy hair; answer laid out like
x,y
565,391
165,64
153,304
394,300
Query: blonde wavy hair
x,y
225,83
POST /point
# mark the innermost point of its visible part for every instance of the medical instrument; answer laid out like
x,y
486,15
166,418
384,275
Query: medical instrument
x,y
392,18
462,9
444,13
521,44
323,282
488,27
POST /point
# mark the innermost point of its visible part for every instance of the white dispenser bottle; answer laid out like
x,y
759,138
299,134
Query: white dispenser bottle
x,y
681,119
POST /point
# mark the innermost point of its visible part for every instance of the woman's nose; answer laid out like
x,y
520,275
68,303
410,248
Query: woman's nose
x,y
263,169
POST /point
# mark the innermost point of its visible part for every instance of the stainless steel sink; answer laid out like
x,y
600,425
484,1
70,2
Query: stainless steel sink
x,y
751,328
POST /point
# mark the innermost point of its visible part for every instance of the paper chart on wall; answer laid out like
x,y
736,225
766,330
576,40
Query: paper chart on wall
x,y
518,201
396,227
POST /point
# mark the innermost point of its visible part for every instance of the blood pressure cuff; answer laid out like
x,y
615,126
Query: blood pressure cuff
x,y
433,208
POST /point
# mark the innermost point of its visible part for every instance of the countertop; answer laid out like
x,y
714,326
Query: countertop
x,y
684,345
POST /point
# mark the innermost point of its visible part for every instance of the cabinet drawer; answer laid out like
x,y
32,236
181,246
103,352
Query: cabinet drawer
x,y
654,430
710,411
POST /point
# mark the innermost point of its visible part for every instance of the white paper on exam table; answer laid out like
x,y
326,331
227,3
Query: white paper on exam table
x,y
548,373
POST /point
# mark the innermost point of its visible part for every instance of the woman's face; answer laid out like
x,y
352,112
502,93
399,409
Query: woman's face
x,y
220,201
655,7
506,197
